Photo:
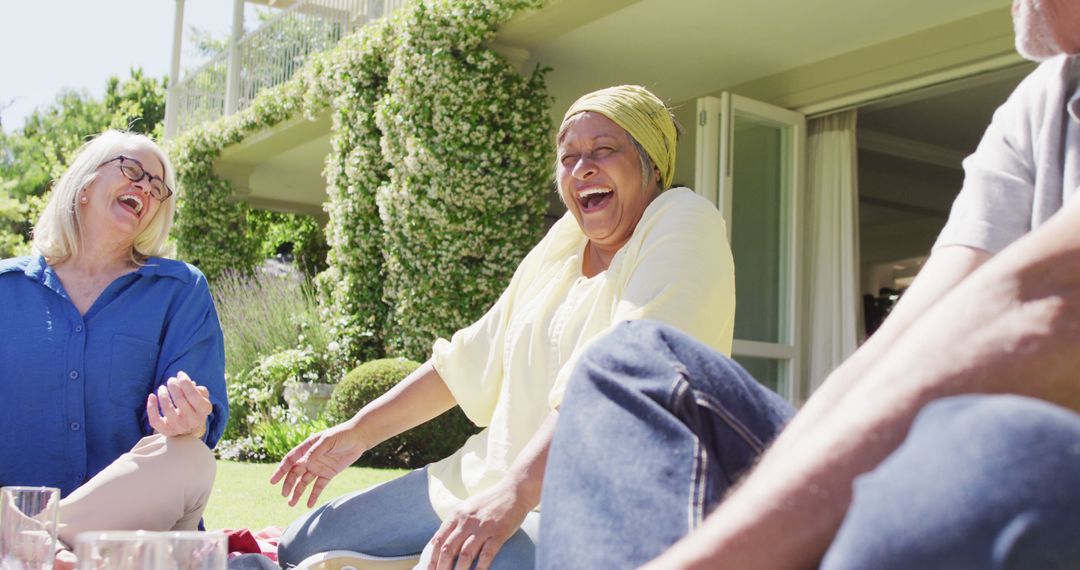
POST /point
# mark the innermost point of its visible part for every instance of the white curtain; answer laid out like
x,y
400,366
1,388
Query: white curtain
x,y
832,256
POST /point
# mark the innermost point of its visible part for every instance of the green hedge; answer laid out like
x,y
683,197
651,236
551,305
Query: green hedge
x,y
417,447
435,181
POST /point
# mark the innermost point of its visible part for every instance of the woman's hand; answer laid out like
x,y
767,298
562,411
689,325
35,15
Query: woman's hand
x,y
180,407
478,529
318,459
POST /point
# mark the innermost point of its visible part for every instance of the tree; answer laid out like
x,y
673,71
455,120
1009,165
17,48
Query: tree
x,y
38,153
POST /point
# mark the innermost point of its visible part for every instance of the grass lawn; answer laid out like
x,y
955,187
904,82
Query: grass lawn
x,y
243,497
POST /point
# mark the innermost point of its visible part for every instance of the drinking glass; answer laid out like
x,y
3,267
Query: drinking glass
x,y
121,550
195,550
28,527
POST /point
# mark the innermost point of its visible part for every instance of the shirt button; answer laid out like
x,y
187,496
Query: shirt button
x,y
75,426
74,374
78,328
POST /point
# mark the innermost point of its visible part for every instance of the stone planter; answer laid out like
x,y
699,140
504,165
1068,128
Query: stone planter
x,y
308,398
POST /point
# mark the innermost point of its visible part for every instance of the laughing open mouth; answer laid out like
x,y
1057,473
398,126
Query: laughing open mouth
x,y
593,199
131,202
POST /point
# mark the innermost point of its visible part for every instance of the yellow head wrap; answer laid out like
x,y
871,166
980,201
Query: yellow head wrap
x,y
641,114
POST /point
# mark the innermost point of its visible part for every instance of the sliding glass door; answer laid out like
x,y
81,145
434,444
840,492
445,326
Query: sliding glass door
x,y
750,164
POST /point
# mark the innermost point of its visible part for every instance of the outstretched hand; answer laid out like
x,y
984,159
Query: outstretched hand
x,y
316,461
477,530
180,407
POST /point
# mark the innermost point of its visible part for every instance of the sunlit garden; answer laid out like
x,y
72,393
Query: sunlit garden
x,y
322,314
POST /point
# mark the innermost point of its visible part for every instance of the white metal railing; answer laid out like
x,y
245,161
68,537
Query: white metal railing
x,y
270,55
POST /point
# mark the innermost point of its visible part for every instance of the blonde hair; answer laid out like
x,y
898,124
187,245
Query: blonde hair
x,y
57,232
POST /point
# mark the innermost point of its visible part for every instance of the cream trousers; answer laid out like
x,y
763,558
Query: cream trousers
x,y
162,484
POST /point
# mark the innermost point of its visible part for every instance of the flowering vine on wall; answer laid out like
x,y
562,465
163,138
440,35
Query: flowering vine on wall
x,y
435,181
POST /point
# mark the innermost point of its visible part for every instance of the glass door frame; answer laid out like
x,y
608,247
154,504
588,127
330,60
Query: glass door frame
x,y
713,177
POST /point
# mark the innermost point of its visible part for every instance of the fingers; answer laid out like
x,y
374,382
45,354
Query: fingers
x,y
298,459
174,425
469,549
310,469
446,544
290,459
298,491
487,553
291,478
153,415
295,469
193,395
467,537
179,407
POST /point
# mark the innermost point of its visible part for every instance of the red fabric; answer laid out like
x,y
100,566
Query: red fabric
x,y
244,541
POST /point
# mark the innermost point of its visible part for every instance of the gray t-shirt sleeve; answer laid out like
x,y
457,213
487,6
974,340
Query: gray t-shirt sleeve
x,y
995,204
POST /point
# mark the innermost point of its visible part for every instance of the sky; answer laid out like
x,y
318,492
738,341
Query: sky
x,y
50,45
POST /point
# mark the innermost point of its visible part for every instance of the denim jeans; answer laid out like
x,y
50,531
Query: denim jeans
x,y
656,427
392,519
980,482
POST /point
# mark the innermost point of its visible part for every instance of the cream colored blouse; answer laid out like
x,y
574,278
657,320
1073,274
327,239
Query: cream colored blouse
x,y
510,368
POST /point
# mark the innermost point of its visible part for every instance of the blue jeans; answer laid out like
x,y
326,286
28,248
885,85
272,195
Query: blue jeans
x,y
392,519
656,427
980,482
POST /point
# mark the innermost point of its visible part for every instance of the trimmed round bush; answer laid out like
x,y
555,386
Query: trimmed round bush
x,y
417,447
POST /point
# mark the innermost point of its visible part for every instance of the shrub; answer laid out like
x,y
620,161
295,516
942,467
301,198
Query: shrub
x,y
440,158
279,438
264,313
256,395
270,441
468,141
417,447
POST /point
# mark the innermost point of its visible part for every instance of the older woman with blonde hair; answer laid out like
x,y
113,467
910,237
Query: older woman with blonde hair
x,y
112,360
630,247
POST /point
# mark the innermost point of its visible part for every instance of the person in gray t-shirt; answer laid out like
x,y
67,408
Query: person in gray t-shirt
x,y
1027,165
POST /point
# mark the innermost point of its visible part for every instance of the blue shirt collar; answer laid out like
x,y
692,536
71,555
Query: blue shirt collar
x,y
35,268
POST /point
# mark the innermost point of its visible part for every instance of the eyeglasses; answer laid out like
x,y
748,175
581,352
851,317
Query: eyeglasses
x,y
135,172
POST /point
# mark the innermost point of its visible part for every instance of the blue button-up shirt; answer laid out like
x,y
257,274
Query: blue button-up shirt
x,y
73,387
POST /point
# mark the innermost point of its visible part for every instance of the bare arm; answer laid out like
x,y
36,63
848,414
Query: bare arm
x,y
418,398
1011,327
478,529
944,269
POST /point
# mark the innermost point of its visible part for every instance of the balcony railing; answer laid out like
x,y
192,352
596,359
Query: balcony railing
x,y
269,56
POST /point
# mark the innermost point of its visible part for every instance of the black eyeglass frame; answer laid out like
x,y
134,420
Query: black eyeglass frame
x,y
155,191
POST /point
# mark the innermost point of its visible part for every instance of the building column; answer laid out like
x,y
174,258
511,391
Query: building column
x,y
232,85
171,94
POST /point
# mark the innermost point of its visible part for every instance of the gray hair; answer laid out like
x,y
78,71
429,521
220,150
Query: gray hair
x,y
57,232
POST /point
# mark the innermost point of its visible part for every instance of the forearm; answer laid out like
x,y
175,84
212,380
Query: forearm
x,y
420,397
1012,327
526,475
943,271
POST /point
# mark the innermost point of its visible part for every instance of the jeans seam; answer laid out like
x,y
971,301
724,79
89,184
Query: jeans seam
x,y
697,497
728,418
696,508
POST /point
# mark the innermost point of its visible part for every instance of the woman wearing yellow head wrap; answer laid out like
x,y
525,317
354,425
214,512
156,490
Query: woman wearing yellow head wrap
x,y
628,248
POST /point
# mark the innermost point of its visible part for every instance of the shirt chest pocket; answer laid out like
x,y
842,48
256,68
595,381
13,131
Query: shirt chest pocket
x,y
131,371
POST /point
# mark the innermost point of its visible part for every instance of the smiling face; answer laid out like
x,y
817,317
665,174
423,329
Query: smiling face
x,y
1045,28
119,209
599,177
